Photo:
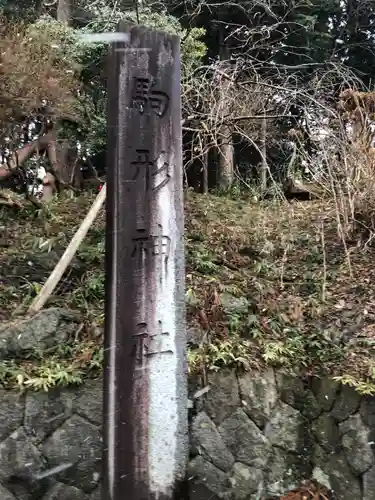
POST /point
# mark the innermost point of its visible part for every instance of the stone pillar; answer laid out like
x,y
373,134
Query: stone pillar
x,y
145,362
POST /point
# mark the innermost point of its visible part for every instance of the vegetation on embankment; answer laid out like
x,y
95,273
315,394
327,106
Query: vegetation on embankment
x,y
267,283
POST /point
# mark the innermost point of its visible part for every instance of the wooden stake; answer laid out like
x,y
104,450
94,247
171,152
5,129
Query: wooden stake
x,y
68,255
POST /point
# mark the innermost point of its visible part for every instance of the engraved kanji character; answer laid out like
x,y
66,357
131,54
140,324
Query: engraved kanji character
x,y
161,243
149,174
156,342
159,102
141,343
158,244
141,243
148,345
143,161
140,96
144,95
165,170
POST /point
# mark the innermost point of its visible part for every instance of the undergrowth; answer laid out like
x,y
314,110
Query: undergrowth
x,y
267,284
52,370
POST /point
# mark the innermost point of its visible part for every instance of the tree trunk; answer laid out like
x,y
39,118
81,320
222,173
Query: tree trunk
x,y
226,156
226,161
64,11
64,161
205,173
263,149
16,160
19,157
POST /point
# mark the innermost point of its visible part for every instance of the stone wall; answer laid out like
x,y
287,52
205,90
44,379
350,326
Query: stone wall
x,y
251,437
41,433
255,437
47,432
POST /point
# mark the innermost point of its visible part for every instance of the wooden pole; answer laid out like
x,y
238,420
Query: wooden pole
x,y
68,255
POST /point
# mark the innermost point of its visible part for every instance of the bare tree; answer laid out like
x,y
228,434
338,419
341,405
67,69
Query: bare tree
x,y
263,149
64,11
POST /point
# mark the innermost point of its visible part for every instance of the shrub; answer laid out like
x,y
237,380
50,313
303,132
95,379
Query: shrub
x,y
35,68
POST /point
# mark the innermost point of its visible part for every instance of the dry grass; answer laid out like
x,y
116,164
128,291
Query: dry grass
x,y
309,491
309,311
353,187
32,241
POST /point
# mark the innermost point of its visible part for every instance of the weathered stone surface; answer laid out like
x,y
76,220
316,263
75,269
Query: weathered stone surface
x,y
289,384
5,494
321,477
237,459
65,492
45,329
88,401
194,336
209,475
193,446
347,403
345,485
45,412
10,420
223,398
47,261
245,440
199,491
285,472
318,455
369,484
209,442
96,494
325,390
326,432
258,392
294,393
286,428
79,442
356,444
234,305
245,480
19,456
367,410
